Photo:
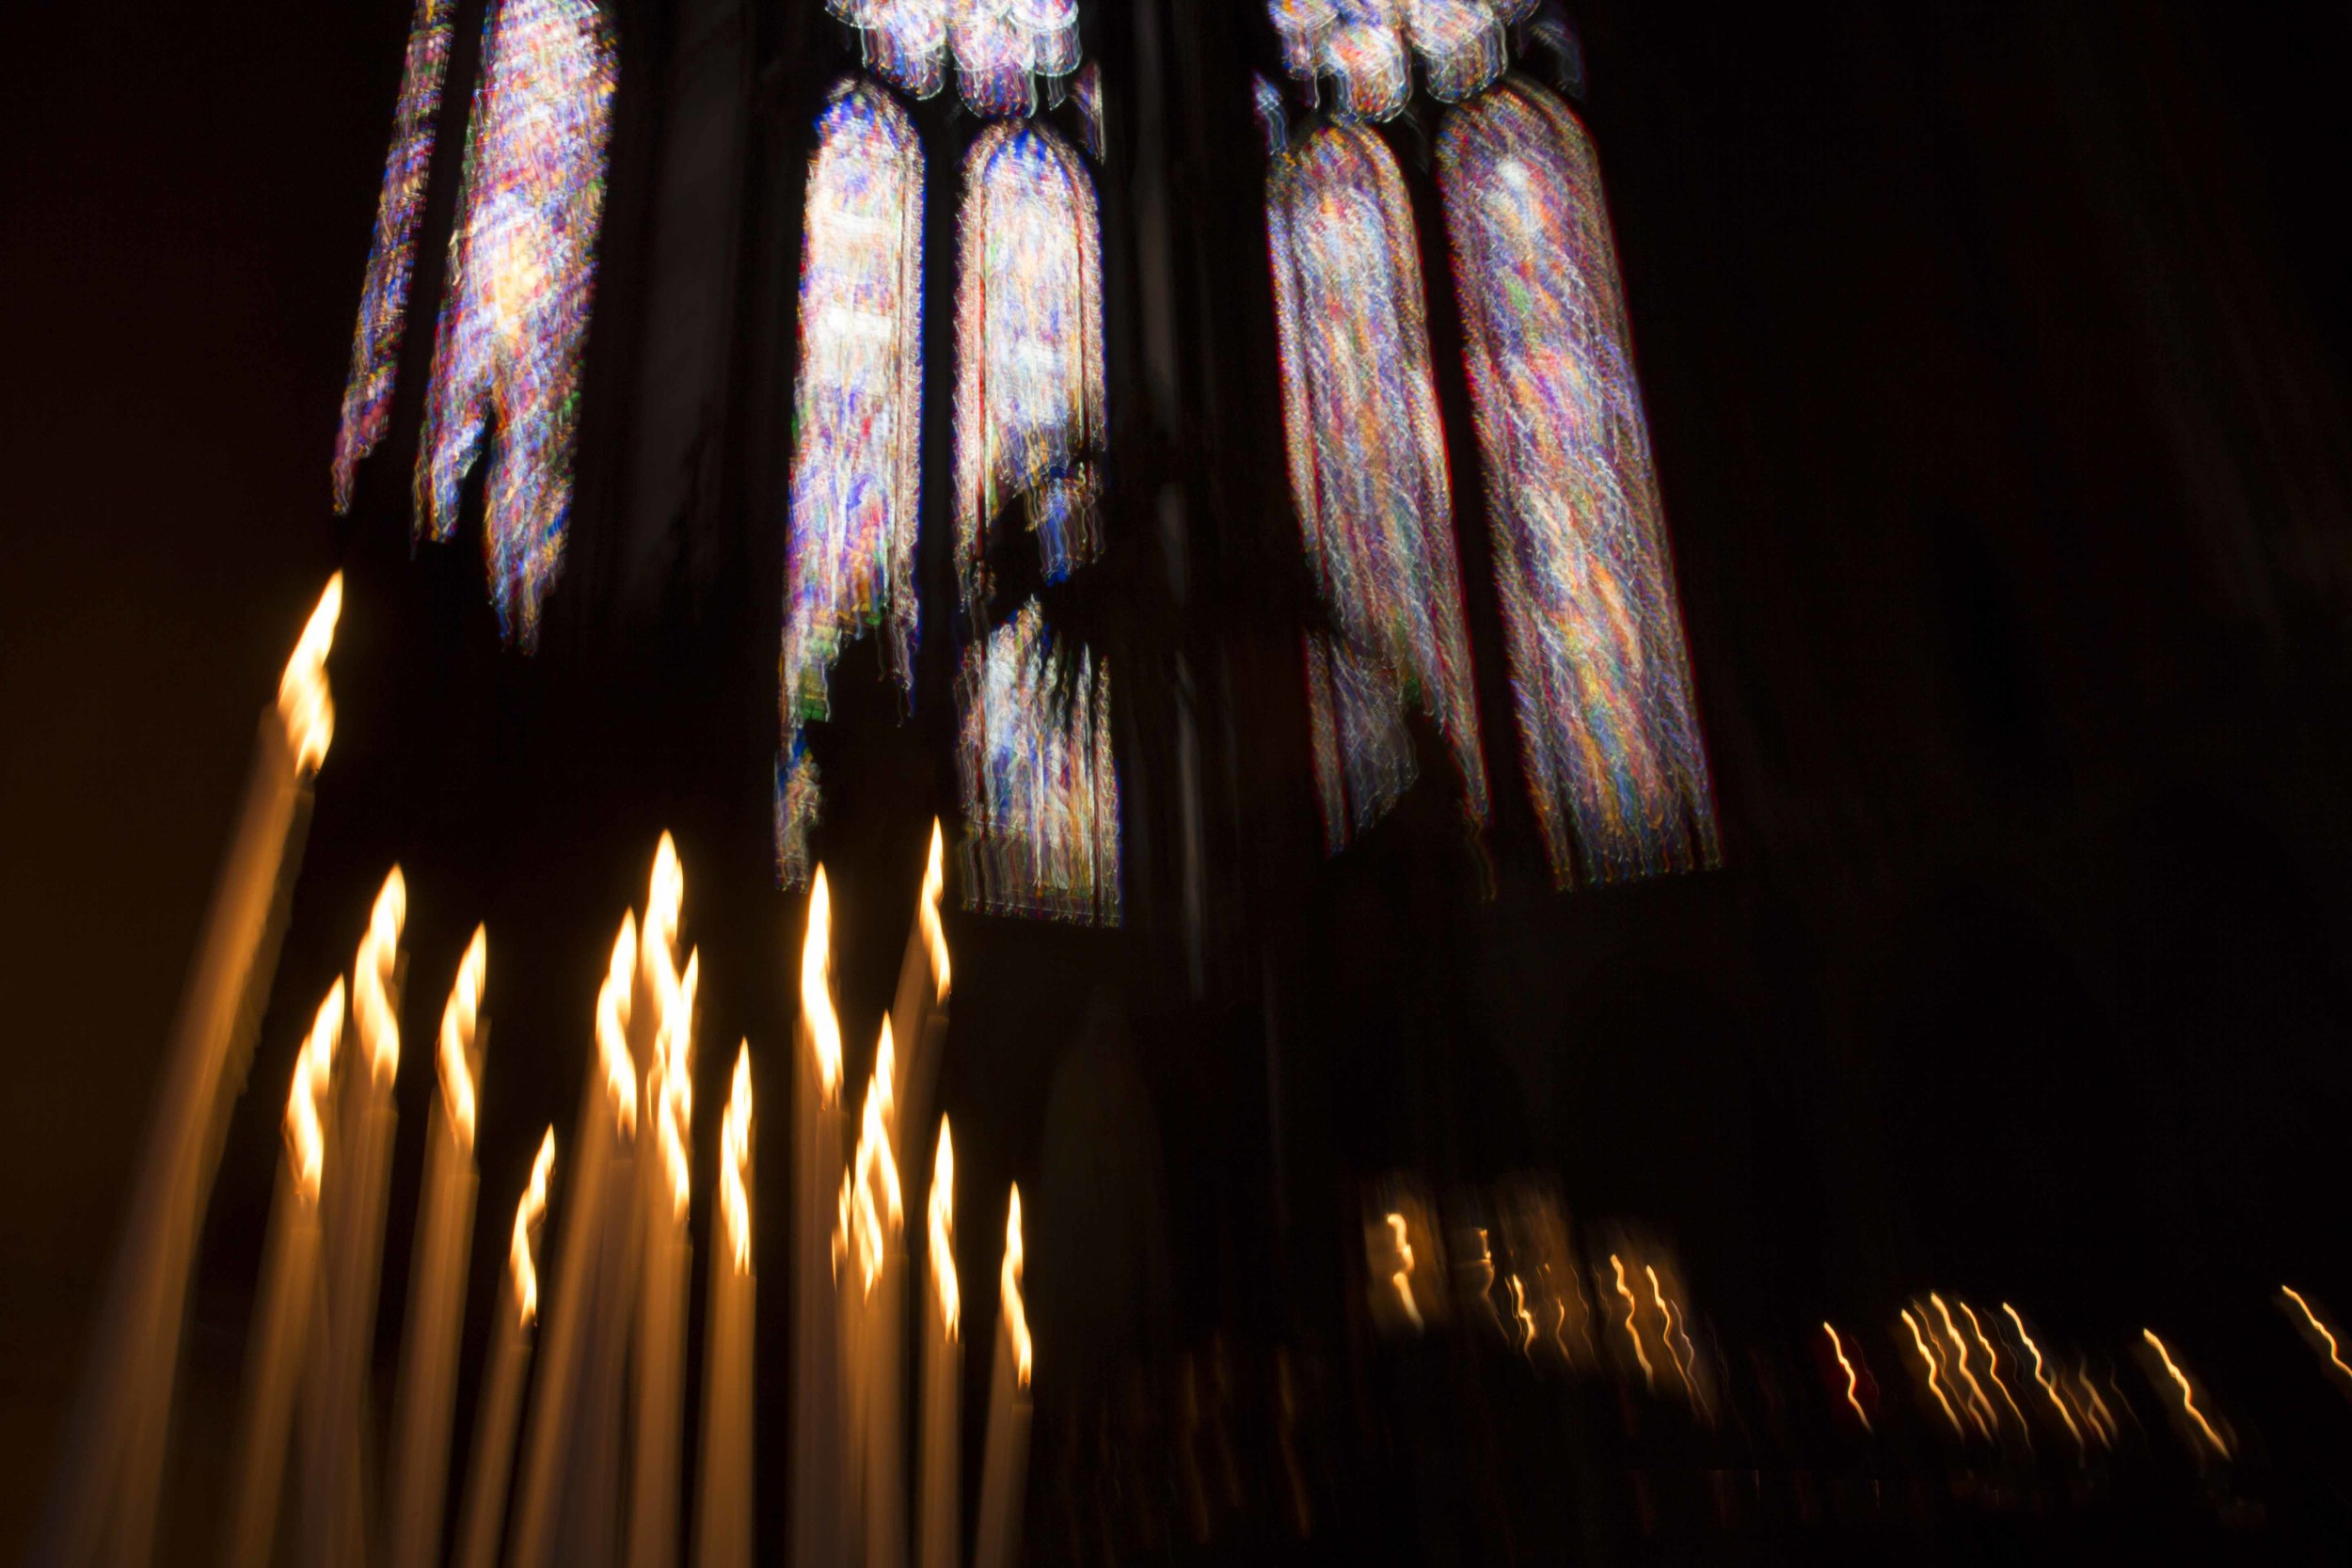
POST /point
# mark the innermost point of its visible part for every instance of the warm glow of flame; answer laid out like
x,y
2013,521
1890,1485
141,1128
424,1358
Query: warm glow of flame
x,y
934,932
1403,1278
665,894
457,1030
2095,1409
304,704
2334,1356
315,1068
734,1162
2189,1403
2042,1377
529,1211
1979,1409
612,1005
1666,1330
1632,1326
816,1014
1008,1287
371,975
670,1084
1526,1318
1927,1359
1992,1370
942,1214
875,1173
1853,1383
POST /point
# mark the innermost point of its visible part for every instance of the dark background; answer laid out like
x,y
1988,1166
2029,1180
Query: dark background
x,y
1996,367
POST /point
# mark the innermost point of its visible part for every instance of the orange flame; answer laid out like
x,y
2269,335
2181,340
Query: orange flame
x,y
1853,1383
1927,1359
529,1211
670,1084
2320,1328
1992,1370
1632,1326
926,912
1526,1318
942,1214
371,975
457,1030
612,1006
875,1173
305,705
2043,1378
2189,1403
1403,1278
1008,1287
817,1012
314,1067
735,1160
1979,1409
1666,1332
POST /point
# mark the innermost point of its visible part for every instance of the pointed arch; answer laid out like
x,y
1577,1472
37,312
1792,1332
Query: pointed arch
x,y
1602,682
1368,476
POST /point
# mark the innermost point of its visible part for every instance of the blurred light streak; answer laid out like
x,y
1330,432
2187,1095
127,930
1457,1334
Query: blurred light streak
x,y
2334,1358
521,272
391,256
459,1020
1666,1332
735,1160
940,1215
1935,1384
1993,1371
1041,787
1525,1320
306,706
1979,1408
1854,1383
2096,1410
857,457
613,998
1008,1290
2042,1377
313,1074
877,1204
1001,49
2188,1400
1369,47
1632,1325
1369,478
1601,677
816,1010
529,1214
373,972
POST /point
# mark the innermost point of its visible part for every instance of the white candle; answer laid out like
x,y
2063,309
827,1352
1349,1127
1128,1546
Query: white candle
x,y
943,1371
664,1184
111,1473
724,1529
500,1400
1004,1465
817,1499
437,1285
282,1315
880,1218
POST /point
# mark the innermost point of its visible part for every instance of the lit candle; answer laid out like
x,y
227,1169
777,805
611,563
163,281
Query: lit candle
x,y
332,1529
436,1280
1004,1465
817,1499
878,1219
500,1400
282,1316
919,1011
608,1124
663,1200
943,1371
109,1479
724,1532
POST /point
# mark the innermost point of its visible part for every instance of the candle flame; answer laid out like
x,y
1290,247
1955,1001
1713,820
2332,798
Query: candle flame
x,y
2042,1377
2334,1356
529,1211
670,1083
1854,1383
1927,1359
1992,1370
314,1066
458,1031
1526,1318
372,974
2188,1402
305,705
817,1012
1016,1314
1403,1278
612,1006
665,894
942,1214
1979,1409
875,1173
926,912
734,1162
1632,1328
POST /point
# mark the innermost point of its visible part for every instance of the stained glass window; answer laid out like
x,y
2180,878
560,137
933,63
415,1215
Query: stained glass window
x,y
515,317
1367,47
1000,48
1601,681
1367,474
384,293
1040,792
856,466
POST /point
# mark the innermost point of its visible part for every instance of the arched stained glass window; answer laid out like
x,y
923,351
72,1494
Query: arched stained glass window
x,y
1601,677
856,465
1368,473
1367,47
1041,789
515,317
1029,352
383,294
